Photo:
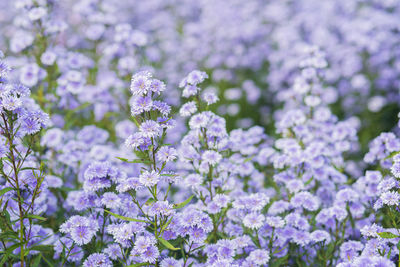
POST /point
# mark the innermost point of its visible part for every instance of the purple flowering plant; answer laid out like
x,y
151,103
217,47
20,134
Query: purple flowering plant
x,y
279,147
23,188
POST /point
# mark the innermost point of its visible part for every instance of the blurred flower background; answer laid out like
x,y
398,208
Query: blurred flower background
x,y
199,133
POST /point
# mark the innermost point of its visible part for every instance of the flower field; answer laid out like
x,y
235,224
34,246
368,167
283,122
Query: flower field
x,y
182,133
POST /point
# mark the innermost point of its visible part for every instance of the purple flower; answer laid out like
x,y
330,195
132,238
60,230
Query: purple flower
x,y
162,107
211,157
346,195
51,180
278,207
370,230
113,251
99,175
301,238
390,198
225,249
30,75
137,140
124,232
149,178
259,256
198,121
253,220
10,102
197,235
320,236
193,180
305,200
188,109
160,208
383,262
81,229
97,260
140,83
141,104
396,169
166,154
171,262
213,208
195,77
253,202
210,97
150,129
373,176
124,128
150,255
242,241
30,125
52,138
111,200
48,58
349,250
275,222
157,86
190,90
387,184
129,184
294,185
221,200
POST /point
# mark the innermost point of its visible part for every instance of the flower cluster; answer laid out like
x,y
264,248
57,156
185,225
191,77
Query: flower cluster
x,y
25,193
279,147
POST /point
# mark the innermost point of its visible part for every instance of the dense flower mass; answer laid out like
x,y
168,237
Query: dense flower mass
x,y
199,133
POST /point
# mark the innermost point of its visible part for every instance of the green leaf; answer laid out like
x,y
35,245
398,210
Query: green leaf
x,y
167,244
66,189
138,264
248,159
166,225
329,250
135,160
169,174
141,161
29,168
149,201
391,155
3,260
36,261
8,252
123,159
309,181
47,261
387,235
125,218
184,203
5,190
83,106
8,235
280,261
42,248
32,216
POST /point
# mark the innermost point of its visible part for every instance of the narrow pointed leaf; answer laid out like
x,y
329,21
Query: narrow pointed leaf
x,y
138,264
32,216
36,261
5,190
167,244
387,235
184,203
124,218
